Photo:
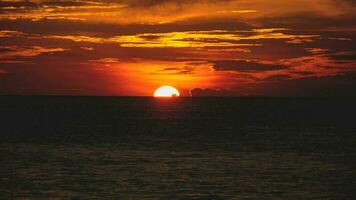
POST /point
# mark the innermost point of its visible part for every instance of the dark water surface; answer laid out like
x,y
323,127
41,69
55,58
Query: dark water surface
x,y
183,148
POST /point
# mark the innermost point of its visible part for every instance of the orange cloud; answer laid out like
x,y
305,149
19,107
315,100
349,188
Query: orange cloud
x,y
17,51
8,33
151,12
195,39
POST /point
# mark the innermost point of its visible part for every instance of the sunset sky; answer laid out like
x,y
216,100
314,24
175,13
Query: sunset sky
x,y
201,47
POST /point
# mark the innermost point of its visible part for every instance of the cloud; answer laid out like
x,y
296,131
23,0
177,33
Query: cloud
x,y
278,77
2,71
340,39
344,56
201,92
245,66
333,85
283,85
123,12
9,33
68,10
179,70
16,4
18,51
169,11
317,50
87,48
106,60
92,28
194,39
328,61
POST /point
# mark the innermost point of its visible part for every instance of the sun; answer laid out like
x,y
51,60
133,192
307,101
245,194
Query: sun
x,y
166,91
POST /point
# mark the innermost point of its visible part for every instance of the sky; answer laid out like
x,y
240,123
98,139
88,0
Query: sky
x,y
201,47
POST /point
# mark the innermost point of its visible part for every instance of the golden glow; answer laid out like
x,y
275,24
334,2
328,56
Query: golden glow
x,y
194,39
166,91
142,77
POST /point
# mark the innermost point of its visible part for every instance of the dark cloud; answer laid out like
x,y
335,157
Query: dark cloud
x,y
36,4
304,73
245,66
54,76
65,3
352,2
4,4
344,56
279,77
2,71
199,92
65,27
4,49
171,69
337,85
282,85
150,37
147,3
307,22
177,70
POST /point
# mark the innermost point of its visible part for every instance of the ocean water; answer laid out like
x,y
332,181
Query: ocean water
x,y
180,148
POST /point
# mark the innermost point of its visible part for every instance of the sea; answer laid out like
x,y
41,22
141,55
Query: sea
x,y
201,148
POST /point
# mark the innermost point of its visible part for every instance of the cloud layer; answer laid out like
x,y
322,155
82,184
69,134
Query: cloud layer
x,y
130,47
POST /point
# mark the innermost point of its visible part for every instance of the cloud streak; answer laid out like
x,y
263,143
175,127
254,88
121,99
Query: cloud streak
x,y
17,51
245,66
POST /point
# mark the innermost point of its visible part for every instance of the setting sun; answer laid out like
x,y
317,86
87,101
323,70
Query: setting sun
x,y
166,91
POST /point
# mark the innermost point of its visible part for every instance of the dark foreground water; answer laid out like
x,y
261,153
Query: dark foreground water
x,y
184,148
